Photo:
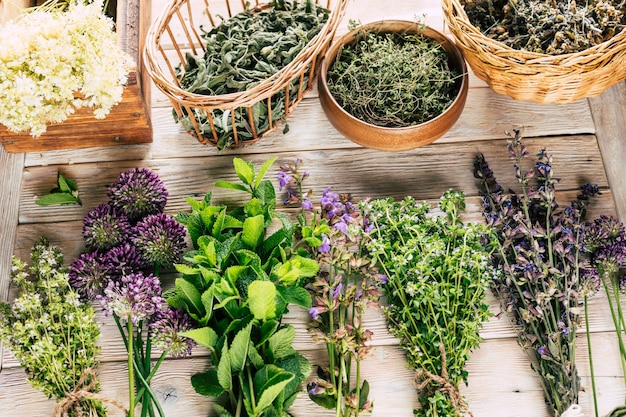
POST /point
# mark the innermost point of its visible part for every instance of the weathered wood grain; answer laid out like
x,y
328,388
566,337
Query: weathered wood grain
x,y
424,173
11,166
609,114
500,384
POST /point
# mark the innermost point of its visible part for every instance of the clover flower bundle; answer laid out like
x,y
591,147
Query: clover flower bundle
x,y
53,62
341,292
52,332
129,240
605,242
438,272
540,252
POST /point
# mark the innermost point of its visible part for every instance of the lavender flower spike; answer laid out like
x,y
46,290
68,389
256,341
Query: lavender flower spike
x,y
138,192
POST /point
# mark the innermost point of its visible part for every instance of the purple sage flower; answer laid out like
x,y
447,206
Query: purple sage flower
x,y
138,192
314,312
325,247
134,298
307,204
160,240
88,275
105,227
337,291
165,332
284,179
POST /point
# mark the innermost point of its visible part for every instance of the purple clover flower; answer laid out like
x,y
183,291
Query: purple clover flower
x,y
124,259
88,275
165,332
105,227
160,239
134,298
138,192
590,282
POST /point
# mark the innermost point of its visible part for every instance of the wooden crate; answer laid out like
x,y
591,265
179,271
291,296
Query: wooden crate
x,y
127,123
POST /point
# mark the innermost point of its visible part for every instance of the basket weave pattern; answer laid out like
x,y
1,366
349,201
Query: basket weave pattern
x,y
536,77
177,31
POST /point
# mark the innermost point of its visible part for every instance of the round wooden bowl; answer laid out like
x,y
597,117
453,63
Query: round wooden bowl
x,y
386,138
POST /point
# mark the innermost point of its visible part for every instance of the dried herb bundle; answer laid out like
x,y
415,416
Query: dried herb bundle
x,y
393,79
548,26
243,51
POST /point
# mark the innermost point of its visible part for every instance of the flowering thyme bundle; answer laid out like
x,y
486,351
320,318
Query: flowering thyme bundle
x,y
51,332
54,61
540,253
341,292
438,273
129,240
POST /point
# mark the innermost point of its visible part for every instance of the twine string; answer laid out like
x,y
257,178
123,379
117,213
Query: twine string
x,y
83,391
424,378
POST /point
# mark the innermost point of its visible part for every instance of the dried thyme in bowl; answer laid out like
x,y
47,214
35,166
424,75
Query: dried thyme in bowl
x,y
393,79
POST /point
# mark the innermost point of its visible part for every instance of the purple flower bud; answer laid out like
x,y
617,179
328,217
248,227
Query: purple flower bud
x,y
123,260
88,275
105,227
135,297
314,312
325,247
337,291
138,192
284,179
307,204
165,331
160,240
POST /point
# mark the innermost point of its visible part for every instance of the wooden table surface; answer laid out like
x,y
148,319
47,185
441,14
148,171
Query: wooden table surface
x,y
587,139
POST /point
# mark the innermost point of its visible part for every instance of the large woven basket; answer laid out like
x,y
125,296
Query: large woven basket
x,y
537,77
177,31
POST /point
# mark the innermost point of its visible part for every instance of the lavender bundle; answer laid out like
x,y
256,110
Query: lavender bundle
x,y
540,254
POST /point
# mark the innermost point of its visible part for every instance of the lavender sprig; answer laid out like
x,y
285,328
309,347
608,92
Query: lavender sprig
x,y
540,252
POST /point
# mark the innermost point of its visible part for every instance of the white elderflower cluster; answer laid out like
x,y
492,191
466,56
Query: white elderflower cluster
x,y
53,62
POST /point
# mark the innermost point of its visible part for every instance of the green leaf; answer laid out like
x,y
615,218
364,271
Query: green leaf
x,y
280,343
262,299
231,185
253,231
203,336
239,349
255,358
186,269
295,268
206,245
263,170
224,374
269,383
191,295
244,170
66,185
206,383
253,207
222,411
267,330
56,198
295,295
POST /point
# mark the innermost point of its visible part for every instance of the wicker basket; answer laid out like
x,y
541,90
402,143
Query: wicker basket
x,y
537,77
176,32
